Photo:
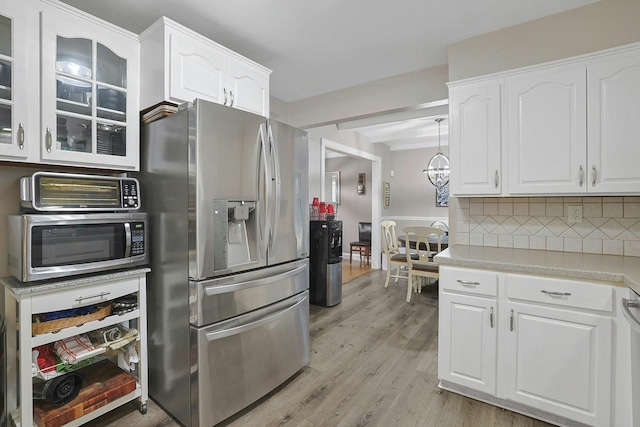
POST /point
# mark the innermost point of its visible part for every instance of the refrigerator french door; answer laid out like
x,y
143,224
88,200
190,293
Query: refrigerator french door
x,y
227,204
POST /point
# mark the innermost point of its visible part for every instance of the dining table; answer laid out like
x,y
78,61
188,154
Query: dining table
x,y
433,242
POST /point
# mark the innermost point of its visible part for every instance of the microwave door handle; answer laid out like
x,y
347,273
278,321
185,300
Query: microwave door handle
x,y
127,240
278,187
266,225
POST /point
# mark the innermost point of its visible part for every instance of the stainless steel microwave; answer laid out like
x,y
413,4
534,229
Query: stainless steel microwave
x,y
68,192
59,245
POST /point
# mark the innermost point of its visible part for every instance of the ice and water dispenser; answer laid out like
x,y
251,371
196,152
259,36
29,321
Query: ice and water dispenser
x,y
325,263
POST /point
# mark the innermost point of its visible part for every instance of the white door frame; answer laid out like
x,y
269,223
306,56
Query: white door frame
x,y
376,196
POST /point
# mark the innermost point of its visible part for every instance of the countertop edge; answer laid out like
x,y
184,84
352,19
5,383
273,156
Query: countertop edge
x,y
538,262
23,288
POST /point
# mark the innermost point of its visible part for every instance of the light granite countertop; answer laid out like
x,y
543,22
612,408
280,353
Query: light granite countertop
x,y
18,288
611,268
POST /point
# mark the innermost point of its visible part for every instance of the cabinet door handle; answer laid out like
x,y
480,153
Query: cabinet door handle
x,y
496,179
581,175
21,136
47,140
594,175
231,95
100,295
468,283
491,317
225,96
511,321
556,294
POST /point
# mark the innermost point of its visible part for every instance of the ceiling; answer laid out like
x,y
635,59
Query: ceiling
x,y
316,47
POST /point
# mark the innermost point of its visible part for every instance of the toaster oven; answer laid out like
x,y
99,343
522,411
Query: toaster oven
x,y
67,192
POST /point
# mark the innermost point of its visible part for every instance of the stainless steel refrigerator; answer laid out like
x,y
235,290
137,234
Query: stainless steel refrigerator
x,y
227,198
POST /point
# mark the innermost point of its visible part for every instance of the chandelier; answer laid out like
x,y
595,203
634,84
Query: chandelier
x,y
438,168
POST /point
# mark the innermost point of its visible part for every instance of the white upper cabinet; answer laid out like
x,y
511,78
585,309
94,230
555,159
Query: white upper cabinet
x,y
568,128
547,131
90,110
180,65
475,138
13,80
614,124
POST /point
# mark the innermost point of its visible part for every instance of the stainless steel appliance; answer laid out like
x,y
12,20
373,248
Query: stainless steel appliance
x,y
226,193
58,192
42,246
325,263
631,311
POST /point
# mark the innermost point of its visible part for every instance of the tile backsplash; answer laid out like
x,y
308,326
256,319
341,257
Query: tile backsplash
x,y
610,225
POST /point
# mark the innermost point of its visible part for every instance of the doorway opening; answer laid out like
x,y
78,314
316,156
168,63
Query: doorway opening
x,y
376,196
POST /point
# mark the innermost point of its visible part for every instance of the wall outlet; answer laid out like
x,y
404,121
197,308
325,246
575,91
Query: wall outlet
x,y
575,214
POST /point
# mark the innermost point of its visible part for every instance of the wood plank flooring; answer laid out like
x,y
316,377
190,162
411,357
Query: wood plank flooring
x,y
373,363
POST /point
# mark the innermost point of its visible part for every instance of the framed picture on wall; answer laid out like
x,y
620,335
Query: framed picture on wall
x,y
442,196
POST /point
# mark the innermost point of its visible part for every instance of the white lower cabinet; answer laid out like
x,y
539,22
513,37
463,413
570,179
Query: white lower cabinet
x,y
539,345
467,354
559,362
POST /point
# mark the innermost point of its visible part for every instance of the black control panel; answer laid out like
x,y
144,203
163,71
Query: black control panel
x,y
137,238
130,193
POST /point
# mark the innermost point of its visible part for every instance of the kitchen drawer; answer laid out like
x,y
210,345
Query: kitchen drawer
x,y
477,282
557,291
79,297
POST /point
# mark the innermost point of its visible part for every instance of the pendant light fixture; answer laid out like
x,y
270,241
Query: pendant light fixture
x,y
438,169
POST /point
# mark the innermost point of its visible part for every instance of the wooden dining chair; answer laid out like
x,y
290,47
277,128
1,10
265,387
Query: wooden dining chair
x,y
395,258
363,245
422,264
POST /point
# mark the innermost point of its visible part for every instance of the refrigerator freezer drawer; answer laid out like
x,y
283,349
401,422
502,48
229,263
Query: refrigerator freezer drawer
x,y
219,299
242,359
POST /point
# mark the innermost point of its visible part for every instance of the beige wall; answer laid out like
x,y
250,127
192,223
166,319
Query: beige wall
x,y
598,26
405,90
412,195
353,207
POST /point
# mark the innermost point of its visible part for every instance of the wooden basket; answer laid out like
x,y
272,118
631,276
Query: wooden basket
x,y
59,324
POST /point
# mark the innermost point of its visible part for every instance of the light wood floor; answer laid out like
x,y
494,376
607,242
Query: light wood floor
x,y
354,270
373,363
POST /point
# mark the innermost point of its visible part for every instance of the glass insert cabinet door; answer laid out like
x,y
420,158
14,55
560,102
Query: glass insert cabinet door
x,y
13,85
87,112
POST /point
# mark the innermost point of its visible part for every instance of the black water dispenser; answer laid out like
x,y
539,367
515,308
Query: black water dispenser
x,y
325,263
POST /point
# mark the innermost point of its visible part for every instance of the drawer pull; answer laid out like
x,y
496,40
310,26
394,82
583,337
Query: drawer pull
x,y
556,294
491,317
100,295
468,283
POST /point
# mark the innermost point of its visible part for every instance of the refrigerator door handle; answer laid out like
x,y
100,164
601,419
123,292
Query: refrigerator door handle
x,y
278,186
224,289
214,335
266,225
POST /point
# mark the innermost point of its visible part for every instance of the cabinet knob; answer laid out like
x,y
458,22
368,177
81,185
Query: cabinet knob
x,y
231,94
511,321
491,318
496,179
594,175
224,91
47,140
581,175
21,136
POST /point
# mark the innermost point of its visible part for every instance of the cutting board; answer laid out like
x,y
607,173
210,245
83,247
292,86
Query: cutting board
x,y
103,382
